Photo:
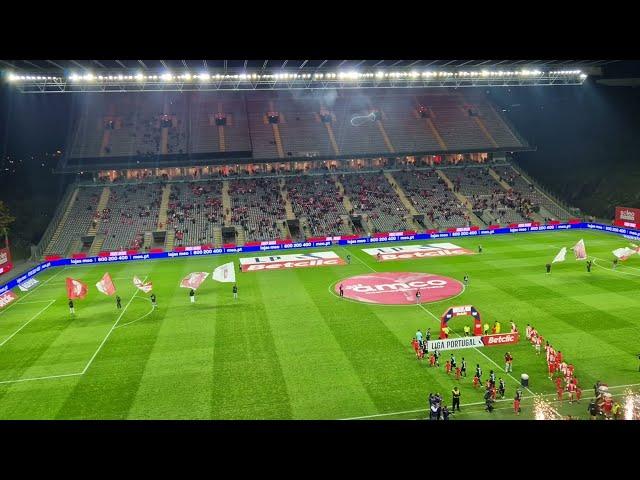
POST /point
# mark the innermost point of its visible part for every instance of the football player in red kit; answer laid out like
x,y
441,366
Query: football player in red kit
x,y
432,360
572,390
447,367
578,392
476,381
458,372
552,369
560,391
416,347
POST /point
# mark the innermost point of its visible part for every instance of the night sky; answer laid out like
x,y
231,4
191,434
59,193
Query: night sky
x,y
586,139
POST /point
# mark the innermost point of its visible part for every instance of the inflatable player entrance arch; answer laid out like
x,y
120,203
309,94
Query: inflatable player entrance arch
x,y
466,310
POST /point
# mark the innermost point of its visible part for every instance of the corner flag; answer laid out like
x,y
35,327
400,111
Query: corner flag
x,y
225,273
76,289
106,285
580,251
561,255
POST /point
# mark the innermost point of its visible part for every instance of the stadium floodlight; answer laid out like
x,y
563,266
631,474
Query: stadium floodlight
x,y
12,77
166,77
204,76
139,76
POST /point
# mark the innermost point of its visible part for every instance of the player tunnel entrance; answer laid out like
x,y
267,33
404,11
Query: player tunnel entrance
x,y
464,310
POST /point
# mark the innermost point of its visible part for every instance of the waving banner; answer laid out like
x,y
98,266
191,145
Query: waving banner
x,y
561,255
580,251
224,273
146,287
76,289
106,285
194,280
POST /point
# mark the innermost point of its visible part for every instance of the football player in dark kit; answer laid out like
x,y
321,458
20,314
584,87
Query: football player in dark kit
x,y
589,266
548,266
341,291
118,302
153,300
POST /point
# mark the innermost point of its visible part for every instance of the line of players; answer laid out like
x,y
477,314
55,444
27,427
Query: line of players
x,y
558,368
491,390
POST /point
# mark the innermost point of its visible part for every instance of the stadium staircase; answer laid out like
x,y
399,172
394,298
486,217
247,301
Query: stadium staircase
x,y
403,198
385,137
482,127
102,204
62,223
148,240
536,216
98,240
276,137
475,220
288,208
332,139
346,201
164,205
226,203
240,237
217,237
436,134
169,239
96,245
221,143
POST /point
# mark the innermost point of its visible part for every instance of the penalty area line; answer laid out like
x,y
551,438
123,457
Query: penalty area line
x,y
111,330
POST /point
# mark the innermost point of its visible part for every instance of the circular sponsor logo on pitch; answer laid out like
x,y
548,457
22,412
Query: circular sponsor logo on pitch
x,y
399,288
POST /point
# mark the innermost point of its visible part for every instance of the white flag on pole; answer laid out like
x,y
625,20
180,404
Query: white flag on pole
x,y
580,251
561,255
225,273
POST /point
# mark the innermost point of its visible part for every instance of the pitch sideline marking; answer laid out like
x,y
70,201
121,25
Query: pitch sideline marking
x,y
112,328
51,302
437,319
476,403
41,378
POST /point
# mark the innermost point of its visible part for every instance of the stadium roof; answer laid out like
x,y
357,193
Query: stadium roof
x,y
59,76
63,66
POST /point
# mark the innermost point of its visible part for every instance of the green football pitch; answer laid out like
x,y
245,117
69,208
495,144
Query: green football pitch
x,y
289,348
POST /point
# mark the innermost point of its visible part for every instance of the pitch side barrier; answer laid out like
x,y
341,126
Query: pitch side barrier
x,y
110,257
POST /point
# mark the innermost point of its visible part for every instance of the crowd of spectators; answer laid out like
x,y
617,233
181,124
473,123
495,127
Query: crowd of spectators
x,y
318,199
131,211
194,210
373,195
258,207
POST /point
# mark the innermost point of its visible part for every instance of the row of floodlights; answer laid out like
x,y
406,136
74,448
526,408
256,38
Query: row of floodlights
x,y
169,77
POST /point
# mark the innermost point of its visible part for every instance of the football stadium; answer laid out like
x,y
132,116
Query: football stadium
x,y
315,240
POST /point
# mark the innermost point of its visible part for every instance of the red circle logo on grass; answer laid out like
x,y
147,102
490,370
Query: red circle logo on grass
x,y
399,288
